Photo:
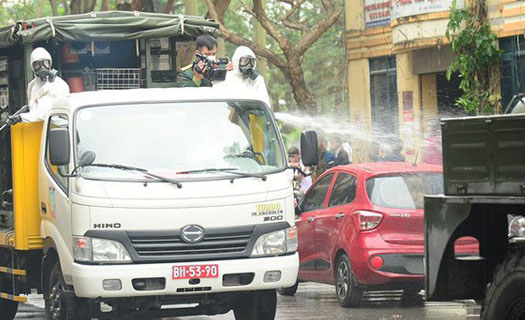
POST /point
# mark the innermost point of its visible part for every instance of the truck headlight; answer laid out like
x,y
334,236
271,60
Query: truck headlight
x,y
517,227
99,250
276,243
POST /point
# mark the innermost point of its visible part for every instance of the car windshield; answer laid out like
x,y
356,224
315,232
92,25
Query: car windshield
x,y
179,140
405,191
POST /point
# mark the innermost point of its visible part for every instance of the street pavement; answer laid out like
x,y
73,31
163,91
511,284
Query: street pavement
x,y
317,301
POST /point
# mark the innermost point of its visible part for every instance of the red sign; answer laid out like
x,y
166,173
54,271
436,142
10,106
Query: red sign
x,y
408,115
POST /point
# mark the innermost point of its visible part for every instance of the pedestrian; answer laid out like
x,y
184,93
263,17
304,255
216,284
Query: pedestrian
x,y
193,75
244,76
341,155
45,85
301,183
432,145
325,159
394,155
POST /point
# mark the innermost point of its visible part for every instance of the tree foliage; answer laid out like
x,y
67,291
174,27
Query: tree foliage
x,y
477,58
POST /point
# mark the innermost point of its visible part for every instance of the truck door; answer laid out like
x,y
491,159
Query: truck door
x,y
55,206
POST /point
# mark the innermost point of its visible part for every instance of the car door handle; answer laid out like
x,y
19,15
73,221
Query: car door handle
x,y
310,219
340,215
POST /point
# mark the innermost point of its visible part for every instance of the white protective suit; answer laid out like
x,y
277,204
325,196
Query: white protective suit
x,y
40,92
235,80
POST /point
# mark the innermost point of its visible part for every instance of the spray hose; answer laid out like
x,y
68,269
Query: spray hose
x,y
21,110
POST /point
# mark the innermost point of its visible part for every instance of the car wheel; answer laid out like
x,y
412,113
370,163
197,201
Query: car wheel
x,y
256,305
290,291
346,287
505,296
57,306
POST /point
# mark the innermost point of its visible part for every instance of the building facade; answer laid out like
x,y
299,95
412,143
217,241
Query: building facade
x,y
398,56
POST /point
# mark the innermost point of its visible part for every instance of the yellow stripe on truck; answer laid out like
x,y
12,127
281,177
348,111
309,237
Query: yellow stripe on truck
x,y
12,297
25,149
17,272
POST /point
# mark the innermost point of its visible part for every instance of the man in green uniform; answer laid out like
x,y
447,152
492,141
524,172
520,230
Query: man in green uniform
x,y
191,77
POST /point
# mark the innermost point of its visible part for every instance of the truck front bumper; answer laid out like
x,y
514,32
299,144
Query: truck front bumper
x,y
88,280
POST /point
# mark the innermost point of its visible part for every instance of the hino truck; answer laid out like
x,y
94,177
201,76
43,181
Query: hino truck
x,y
139,203
484,179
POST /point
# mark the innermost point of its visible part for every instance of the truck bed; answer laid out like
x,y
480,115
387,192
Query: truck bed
x,y
484,155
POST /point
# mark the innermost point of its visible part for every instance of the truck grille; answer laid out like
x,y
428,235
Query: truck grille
x,y
216,243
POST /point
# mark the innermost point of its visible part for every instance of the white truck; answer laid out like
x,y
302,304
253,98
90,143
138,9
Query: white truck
x,y
153,198
138,203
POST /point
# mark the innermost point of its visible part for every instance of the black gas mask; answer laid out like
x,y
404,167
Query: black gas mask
x,y
247,67
43,70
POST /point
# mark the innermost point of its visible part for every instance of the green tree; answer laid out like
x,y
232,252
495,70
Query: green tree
x,y
477,59
293,27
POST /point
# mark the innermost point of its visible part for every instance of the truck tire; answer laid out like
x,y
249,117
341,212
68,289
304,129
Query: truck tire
x,y
58,308
411,297
505,296
256,305
9,308
346,287
289,291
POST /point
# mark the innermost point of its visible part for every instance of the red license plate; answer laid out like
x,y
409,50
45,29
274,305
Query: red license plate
x,y
195,271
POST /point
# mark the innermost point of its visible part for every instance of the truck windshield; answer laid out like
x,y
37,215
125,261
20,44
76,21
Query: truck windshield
x,y
182,140
405,191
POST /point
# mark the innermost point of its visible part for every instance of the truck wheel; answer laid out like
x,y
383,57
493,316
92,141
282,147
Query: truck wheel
x,y
256,305
290,291
346,287
505,297
58,307
411,297
9,308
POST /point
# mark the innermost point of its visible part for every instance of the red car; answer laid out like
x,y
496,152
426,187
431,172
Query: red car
x,y
360,227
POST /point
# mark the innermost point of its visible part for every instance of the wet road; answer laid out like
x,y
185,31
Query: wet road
x,y
315,301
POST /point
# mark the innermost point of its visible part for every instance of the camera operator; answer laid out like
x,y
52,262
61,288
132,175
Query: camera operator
x,y
193,74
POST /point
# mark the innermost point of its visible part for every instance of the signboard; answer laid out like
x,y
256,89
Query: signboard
x,y
406,8
408,106
377,12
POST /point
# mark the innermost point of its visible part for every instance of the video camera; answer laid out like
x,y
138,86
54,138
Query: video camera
x,y
213,69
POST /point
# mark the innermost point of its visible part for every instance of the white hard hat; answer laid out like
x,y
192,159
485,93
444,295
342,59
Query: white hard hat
x,y
40,54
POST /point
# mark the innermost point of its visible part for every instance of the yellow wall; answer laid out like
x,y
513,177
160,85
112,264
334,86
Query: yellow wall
x,y
359,104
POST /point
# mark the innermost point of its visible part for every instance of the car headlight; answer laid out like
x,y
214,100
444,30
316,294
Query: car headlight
x,y
99,250
276,243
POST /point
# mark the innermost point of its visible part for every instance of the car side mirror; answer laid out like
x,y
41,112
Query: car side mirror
x,y
309,152
59,146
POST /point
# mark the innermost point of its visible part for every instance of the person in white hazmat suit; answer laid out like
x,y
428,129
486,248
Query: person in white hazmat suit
x,y
244,76
42,89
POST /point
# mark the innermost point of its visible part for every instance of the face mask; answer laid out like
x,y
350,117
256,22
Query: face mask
x,y
247,66
43,70
46,74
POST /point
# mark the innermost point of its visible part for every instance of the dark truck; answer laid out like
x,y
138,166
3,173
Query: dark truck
x,y
484,180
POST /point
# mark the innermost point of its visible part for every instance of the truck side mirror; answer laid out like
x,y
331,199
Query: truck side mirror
x,y
59,146
309,148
